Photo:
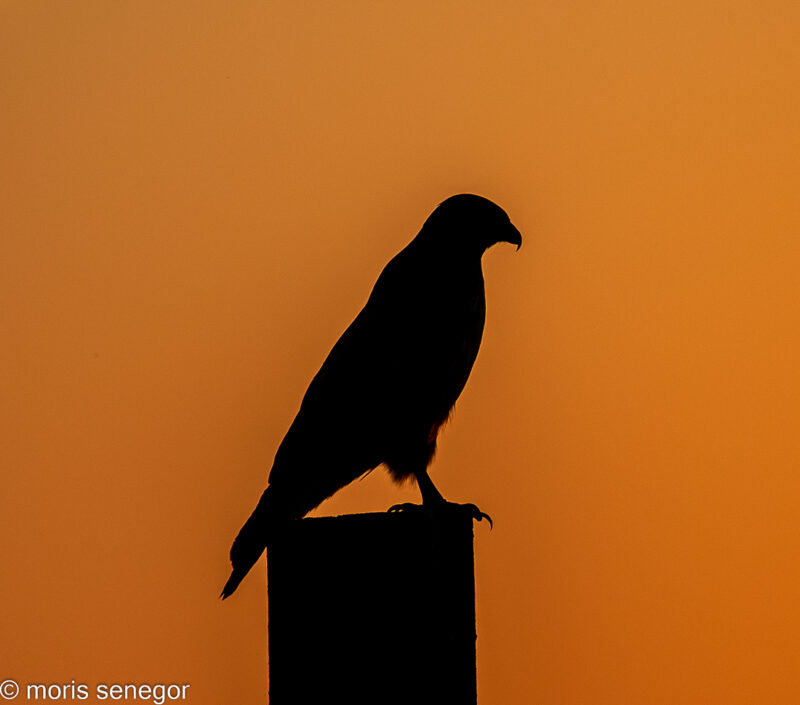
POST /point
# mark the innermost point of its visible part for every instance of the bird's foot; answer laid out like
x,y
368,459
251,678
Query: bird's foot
x,y
476,513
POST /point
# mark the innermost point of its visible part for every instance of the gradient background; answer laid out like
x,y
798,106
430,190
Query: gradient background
x,y
196,199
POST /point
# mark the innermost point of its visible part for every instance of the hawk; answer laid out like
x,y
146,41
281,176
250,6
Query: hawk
x,y
391,380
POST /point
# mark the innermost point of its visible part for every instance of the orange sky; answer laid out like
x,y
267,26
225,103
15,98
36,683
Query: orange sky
x,y
196,199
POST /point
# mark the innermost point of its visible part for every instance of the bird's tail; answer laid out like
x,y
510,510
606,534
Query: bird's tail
x,y
252,539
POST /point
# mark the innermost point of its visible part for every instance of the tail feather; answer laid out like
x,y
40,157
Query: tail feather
x,y
274,511
233,582
251,540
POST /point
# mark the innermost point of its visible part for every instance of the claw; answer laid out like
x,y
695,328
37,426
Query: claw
x,y
404,507
478,515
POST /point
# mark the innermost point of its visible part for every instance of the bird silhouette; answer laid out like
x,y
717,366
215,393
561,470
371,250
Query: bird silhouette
x,y
391,380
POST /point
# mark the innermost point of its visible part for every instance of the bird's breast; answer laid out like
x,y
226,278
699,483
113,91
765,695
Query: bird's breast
x,y
446,338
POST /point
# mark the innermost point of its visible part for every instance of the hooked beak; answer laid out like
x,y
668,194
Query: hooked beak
x,y
513,236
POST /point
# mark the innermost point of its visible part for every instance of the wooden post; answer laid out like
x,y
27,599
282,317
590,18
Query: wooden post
x,y
373,608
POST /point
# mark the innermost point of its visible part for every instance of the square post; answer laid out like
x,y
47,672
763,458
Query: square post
x,y
374,608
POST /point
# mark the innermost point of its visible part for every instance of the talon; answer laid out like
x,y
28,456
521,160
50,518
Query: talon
x,y
478,515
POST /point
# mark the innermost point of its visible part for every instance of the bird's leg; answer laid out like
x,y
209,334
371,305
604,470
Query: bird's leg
x,y
430,495
433,500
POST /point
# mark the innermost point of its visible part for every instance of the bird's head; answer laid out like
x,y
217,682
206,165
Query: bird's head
x,y
470,223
